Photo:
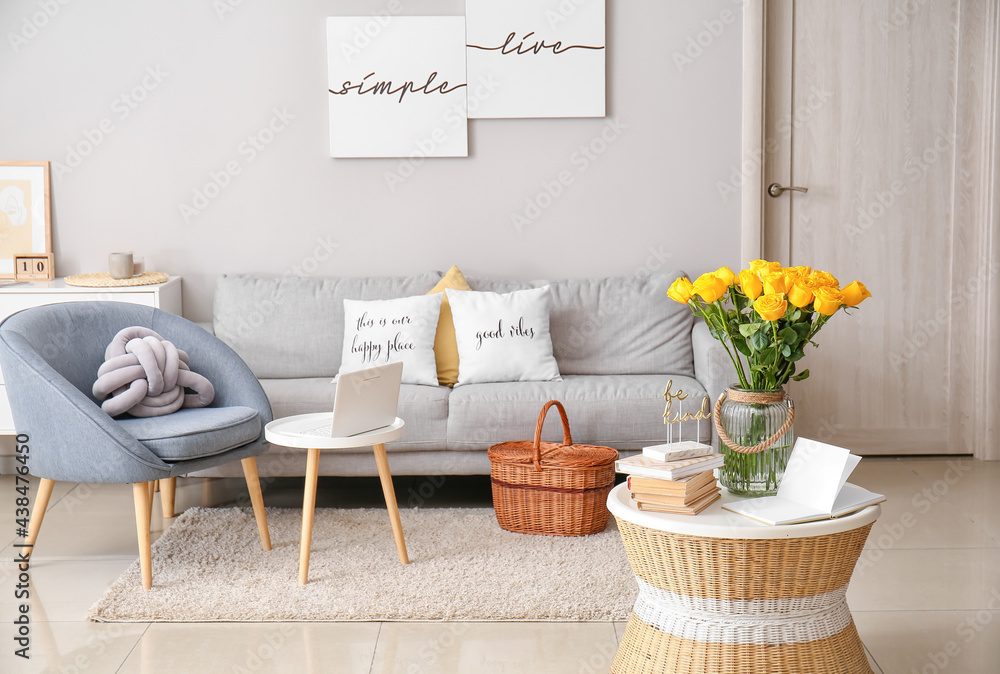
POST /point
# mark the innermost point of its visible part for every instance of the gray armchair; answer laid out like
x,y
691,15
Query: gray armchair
x,y
50,356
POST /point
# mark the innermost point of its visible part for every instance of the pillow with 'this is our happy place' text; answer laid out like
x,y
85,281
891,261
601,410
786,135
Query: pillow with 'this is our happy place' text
x,y
377,332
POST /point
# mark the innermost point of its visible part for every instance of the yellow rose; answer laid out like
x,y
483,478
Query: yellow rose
x,y
791,275
771,307
761,267
800,294
709,287
855,293
774,282
750,284
824,279
680,290
726,274
828,300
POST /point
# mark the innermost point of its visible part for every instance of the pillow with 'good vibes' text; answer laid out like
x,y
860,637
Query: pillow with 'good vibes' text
x,y
503,337
377,332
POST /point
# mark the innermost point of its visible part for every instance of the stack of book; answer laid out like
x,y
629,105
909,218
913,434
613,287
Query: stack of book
x,y
678,478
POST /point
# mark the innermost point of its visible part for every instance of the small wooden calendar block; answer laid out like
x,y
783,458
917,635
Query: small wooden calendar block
x,y
34,267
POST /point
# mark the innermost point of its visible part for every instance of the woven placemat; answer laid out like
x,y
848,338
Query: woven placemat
x,y
104,280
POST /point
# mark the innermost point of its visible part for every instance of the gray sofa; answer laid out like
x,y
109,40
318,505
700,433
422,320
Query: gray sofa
x,y
617,341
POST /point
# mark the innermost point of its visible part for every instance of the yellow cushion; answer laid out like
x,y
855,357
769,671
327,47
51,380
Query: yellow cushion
x,y
445,346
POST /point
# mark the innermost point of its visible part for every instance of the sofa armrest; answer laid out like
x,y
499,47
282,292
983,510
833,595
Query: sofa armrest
x,y
208,326
712,367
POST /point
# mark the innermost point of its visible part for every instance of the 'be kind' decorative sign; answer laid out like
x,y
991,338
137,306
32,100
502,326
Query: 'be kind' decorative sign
x,y
399,92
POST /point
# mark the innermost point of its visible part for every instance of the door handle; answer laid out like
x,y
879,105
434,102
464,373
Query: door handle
x,y
775,190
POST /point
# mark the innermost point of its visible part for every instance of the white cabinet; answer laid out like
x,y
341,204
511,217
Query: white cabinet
x,y
14,298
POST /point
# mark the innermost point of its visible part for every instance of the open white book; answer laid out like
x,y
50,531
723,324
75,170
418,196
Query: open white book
x,y
814,487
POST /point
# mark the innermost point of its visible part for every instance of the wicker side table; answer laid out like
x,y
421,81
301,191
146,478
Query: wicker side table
x,y
720,593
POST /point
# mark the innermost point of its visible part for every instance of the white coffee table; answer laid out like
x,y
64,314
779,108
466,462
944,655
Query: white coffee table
x,y
288,432
719,592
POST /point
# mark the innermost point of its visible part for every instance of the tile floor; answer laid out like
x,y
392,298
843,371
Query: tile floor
x,y
925,595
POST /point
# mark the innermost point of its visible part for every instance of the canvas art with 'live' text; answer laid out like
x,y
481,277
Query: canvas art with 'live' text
x,y
400,90
543,58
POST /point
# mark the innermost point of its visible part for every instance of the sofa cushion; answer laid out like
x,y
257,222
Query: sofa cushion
x,y
620,411
378,332
293,326
195,433
614,325
503,336
445,345
423,408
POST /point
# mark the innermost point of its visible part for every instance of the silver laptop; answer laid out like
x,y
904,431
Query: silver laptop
x,y
365,401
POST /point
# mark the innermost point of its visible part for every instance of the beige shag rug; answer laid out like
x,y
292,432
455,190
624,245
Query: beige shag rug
x,y
208,566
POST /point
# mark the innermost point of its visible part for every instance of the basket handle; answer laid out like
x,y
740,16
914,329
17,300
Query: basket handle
x,y
567,438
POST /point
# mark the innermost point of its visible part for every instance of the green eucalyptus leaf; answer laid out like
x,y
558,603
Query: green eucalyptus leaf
x,y
802,375
786,351
747,329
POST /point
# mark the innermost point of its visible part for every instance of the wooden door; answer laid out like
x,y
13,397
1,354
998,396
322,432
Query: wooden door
x,y
865,103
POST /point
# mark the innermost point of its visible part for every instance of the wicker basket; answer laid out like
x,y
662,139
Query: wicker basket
x,y
551,489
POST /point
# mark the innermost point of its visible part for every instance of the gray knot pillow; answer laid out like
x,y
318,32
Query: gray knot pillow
x,y
146,376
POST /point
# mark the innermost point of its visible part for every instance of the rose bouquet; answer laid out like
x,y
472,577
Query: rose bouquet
x,y
765,316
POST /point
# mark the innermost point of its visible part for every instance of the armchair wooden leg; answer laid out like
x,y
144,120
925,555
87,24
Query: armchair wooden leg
x,y
143,511
257,499
168,488
38,513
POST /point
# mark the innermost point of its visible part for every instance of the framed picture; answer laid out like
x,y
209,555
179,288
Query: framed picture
x,y
403,95
25,211
543,58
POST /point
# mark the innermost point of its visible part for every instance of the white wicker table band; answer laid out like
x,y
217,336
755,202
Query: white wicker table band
x,y
758,621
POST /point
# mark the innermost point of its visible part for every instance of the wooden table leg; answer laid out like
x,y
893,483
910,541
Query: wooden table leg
x,y
308,512
390,501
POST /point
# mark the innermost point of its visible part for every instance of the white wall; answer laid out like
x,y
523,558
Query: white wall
x,y
652,192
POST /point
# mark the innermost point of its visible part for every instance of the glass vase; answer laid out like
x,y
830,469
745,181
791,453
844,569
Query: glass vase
x,y
751,418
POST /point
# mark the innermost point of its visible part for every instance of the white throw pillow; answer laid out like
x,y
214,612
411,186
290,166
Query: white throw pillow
x,y
377,332
503,337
